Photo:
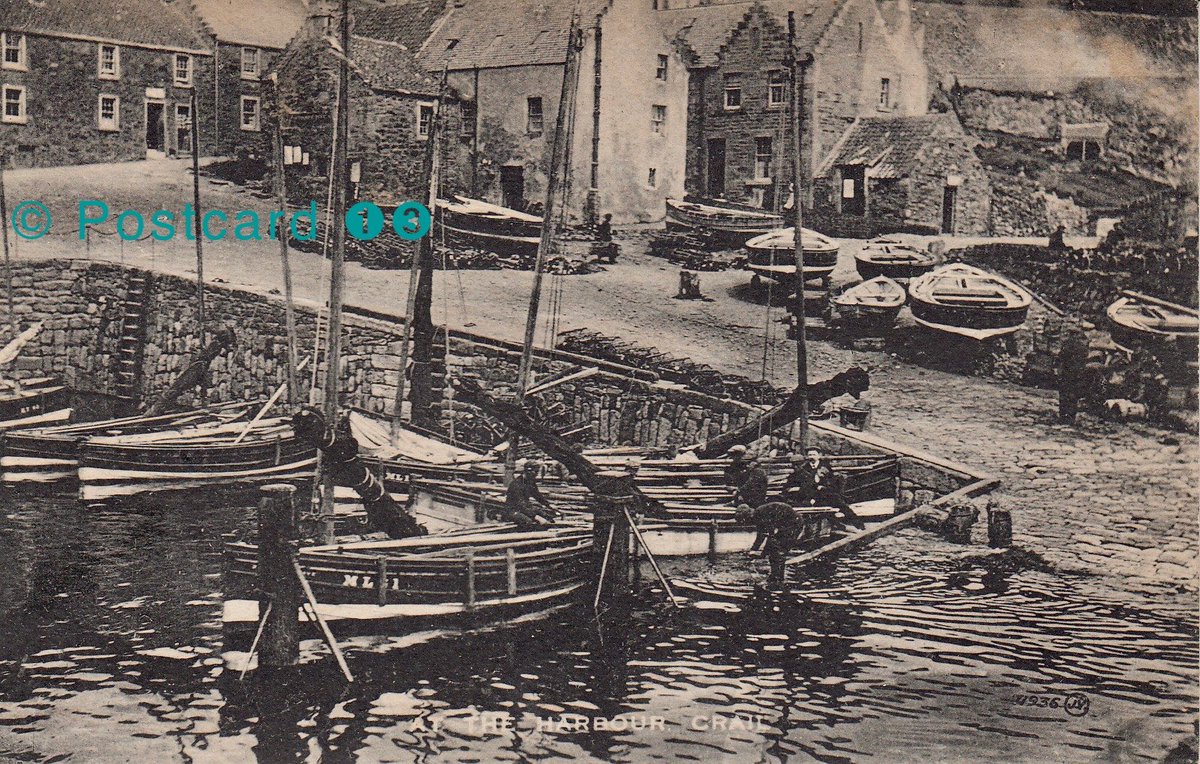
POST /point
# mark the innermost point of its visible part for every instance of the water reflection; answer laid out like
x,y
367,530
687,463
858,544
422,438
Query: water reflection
x,y
909,650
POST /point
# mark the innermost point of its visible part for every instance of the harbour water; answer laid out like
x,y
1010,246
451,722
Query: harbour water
x,y
912,649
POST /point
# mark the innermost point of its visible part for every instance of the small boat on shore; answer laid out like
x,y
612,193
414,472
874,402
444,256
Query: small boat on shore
x,y
968,301
726,225
489,227
479,575
124,465
33,402
778,249
1139,319
876,302
893,259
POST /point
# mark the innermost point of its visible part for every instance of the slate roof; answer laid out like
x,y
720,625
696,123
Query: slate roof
x,y
256,23
890,147
148,23
705,29
407,23
495,33
390,66
1029,48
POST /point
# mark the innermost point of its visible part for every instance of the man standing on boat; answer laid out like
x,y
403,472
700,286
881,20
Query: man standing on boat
x,y
523,496
814,483
746,477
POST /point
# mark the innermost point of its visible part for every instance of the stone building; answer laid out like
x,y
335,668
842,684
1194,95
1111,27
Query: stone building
x,y
247,36
101,81
629,126
889,174
739,135
391,106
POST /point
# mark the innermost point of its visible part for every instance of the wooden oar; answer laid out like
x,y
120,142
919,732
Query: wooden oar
x,y
649,556
312,606
267,406
262,622
603,568
1160,303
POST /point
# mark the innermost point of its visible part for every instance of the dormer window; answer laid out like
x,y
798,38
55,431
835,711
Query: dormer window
x,y
250,63
15,56
109,65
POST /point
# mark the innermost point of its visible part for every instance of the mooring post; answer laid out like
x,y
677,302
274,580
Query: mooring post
x,y
999,527
277,582
712,541
612,574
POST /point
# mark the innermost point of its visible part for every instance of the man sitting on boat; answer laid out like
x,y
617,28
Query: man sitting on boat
x,y
778,528
813,483
746,477
523,497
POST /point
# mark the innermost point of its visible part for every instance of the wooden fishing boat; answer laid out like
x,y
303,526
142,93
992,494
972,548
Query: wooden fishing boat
x,y
489,227
33,402
124,465
968,301
874,303
778,248
1138,319
893,259
723,223
403,585
49,454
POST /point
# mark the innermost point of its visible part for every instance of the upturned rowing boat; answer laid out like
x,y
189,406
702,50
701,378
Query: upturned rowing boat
x,y
727,225
416,583
778,248
124,465
876,302
489,227
968,301
893,259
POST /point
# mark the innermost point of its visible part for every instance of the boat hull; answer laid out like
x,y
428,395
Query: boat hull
x,y
489,227
967,301
872,264
727,226
976,323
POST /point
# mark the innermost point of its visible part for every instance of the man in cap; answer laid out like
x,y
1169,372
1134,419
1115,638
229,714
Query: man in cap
x,y
814,483
746,477
522,498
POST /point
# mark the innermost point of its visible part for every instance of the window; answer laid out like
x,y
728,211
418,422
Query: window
x,y
109,67
658,117
533,120
14,51
733,91
14,104
468,118
424,119
663,63
250,61
108,115
885,93
776,88
652,178
250,113
183,74
762,157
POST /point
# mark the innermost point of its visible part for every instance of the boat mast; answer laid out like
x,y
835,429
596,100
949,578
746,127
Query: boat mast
x,y
333,350
8,285
418,319
558,164
797,71
293,377
195,131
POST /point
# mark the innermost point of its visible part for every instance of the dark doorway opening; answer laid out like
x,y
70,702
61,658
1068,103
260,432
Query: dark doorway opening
x,y
156,132
512,187
949,197
716,167
854,190
183,128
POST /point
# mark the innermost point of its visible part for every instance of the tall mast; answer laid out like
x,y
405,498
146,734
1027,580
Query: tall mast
x,y
293,377
418,321
195,131
8,285
333,351
558,164
797,71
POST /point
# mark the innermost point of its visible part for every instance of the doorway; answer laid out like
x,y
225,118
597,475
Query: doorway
x,y
183,128
512,187
156,130
716,168
854,190
949,197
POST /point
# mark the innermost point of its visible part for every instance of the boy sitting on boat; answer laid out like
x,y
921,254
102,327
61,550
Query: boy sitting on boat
x,y
522,498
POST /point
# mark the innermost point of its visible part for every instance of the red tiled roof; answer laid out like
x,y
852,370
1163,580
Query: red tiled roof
x,y
890,147
706,28
257,23
148,23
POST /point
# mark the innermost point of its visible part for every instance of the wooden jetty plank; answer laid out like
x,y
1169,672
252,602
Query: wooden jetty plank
x,y
893,524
